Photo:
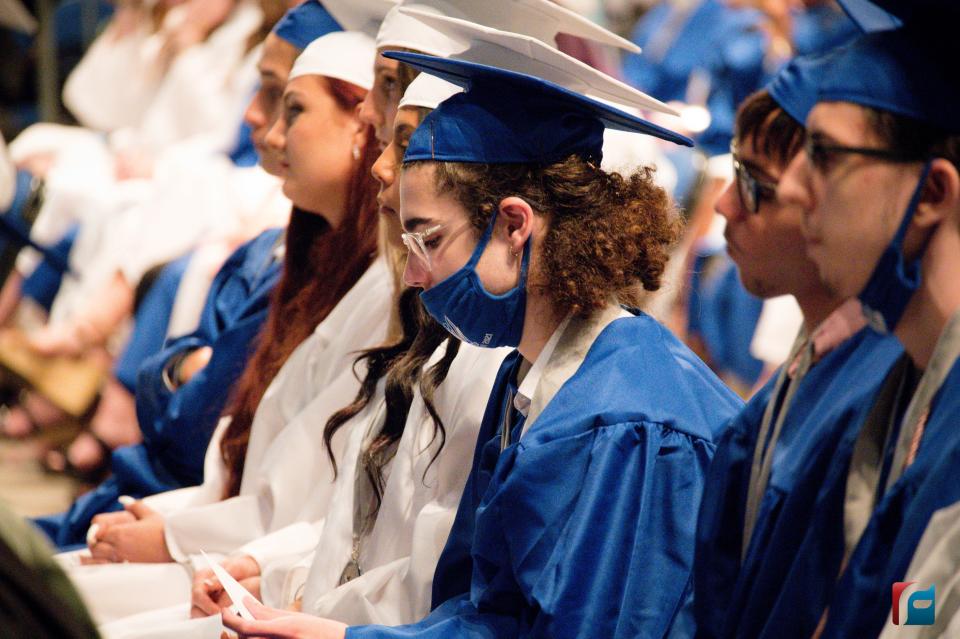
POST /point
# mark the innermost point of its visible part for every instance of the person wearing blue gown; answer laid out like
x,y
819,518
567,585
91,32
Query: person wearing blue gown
x,y
578,516
878,184
772,458
177,408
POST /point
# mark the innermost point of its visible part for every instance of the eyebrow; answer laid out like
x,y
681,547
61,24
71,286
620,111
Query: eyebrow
x,y
825,138
403,130
757,170
291,95
269,73
414,222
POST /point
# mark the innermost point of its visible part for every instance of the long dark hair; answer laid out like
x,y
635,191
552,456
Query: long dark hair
x,y
402,365
320,266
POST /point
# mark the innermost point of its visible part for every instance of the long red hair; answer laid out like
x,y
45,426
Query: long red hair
x,y
320,265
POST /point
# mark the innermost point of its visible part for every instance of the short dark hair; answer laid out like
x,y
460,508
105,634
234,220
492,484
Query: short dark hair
x,y
773,132
913,138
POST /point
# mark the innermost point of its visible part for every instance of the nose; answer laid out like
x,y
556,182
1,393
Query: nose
x,y
415,273
730,204
383,169
794,186
254,114
367,113
276,137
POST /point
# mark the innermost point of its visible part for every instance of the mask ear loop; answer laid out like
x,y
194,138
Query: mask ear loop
x,y
482,246
911,273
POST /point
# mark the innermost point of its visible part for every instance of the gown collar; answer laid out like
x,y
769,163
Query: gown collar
x,y
573,343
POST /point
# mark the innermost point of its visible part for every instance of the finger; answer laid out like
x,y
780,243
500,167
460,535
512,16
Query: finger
x,y
104,551
202,598
114,518
204,575
248,629
92,534
92,561
259,611
138,509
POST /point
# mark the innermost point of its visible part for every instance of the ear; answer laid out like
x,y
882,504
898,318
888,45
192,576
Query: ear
x,y
940,195
359,130
517,217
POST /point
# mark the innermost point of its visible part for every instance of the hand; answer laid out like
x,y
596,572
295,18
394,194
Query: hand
x,y
282,624
207,592
252,584
140,541
193,363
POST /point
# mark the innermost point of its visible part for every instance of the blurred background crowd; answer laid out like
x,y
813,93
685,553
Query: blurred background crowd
x,y
124,119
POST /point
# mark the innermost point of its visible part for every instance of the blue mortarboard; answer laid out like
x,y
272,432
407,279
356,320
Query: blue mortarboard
x,y
305,23
905,72
796,86
505,117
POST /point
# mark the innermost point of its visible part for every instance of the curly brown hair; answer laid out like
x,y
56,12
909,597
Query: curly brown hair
x,y
608,235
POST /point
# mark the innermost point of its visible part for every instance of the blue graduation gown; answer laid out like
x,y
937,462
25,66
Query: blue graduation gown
x,y
734,598
150,322
861,602
44,283
177,426
584,528
725,315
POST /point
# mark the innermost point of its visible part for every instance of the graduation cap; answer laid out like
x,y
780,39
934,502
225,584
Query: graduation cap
x,y
343,55
904,71
796,86
305,23
506,117
526,54
428,91
540,19
359,15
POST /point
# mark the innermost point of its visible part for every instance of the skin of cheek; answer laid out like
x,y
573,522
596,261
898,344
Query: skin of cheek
x,y
318,151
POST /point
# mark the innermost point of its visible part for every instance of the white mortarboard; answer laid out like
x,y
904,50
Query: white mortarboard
x,y
359,15
14,15
525,54
540,19
428,91
343,55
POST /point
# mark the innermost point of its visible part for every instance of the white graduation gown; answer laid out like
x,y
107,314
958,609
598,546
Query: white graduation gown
x,y
318,375
398,558
112,85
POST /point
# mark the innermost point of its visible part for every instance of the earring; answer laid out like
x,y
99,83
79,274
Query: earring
x,y
356,152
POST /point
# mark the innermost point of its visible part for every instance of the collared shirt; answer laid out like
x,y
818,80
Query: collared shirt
x,y
528,385
842,324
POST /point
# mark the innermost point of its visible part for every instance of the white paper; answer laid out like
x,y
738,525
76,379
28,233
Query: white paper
x,y
234,590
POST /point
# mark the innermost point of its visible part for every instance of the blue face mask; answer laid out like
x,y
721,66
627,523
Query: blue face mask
x,y
894,281
473,315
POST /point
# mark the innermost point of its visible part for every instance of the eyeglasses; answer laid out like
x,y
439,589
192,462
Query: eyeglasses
x,y
820,154
416,243
752,191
